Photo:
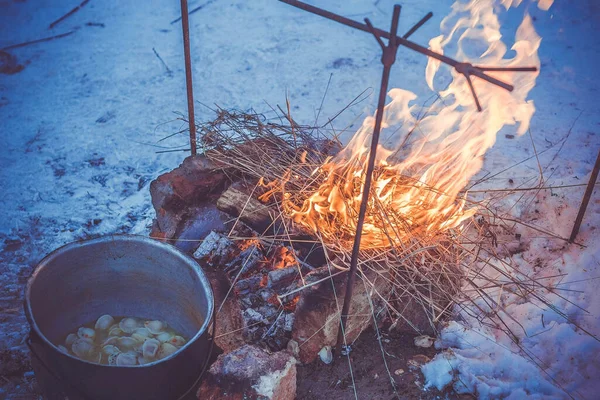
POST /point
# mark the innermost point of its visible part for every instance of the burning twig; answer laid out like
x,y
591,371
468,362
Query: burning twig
x,y
466,69
67,15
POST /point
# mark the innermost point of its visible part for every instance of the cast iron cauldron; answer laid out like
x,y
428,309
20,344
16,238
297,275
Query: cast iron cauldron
x,y
123,276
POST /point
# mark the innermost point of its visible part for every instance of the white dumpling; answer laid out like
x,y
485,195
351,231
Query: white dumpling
x,y
128,325
115,330
143,332
104,322
110,349
155,327
82,348
112,359
127,342
139,338
144,361
71,338
166,349
126,359
164,337
86,333
150,348
177,341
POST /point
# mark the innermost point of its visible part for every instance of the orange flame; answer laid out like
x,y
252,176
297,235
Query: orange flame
x,y
426,162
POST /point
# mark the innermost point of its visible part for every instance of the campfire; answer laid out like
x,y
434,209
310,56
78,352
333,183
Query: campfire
x,y
291,197
280,241
420,220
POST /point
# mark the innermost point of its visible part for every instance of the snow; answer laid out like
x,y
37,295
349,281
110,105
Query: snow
x,y
82,122
555,358
439,371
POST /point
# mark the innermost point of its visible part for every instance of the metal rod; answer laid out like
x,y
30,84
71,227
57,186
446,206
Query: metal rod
x,y
388,58
466,67
418,25
586,199
188,74
511,69
473,93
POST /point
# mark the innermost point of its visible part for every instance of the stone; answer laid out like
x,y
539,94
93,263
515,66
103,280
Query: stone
x,y
293,348
317,319
424,341
230,323
250,373
417,361
326,355
194,183
198,223
238,200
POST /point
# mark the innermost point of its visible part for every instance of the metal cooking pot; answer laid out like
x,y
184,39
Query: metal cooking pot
x,y
122,276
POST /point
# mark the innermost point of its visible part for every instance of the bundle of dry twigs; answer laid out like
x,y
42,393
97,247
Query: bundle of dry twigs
x,y
439,270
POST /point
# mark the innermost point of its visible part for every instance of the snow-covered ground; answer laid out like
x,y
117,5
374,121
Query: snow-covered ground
x,y
553,358
81,123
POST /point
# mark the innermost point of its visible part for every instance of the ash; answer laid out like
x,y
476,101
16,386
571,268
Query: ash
x,y
261,274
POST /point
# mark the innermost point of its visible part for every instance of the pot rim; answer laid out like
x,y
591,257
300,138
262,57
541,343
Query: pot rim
x,y
111,238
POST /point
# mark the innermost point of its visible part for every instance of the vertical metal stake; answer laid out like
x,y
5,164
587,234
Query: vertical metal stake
x,y
387,59
586,199
188,74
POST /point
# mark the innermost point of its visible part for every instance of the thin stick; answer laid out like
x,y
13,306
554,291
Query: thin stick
x,y
200,7
188,74
162,61
586,199
15,46
67,15
283,296
526,189
323,100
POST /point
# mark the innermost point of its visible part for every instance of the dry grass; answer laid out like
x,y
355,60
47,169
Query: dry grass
x,y
464,268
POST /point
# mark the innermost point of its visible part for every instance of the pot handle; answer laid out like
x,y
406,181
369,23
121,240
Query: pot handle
x,y
63,382
208,357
